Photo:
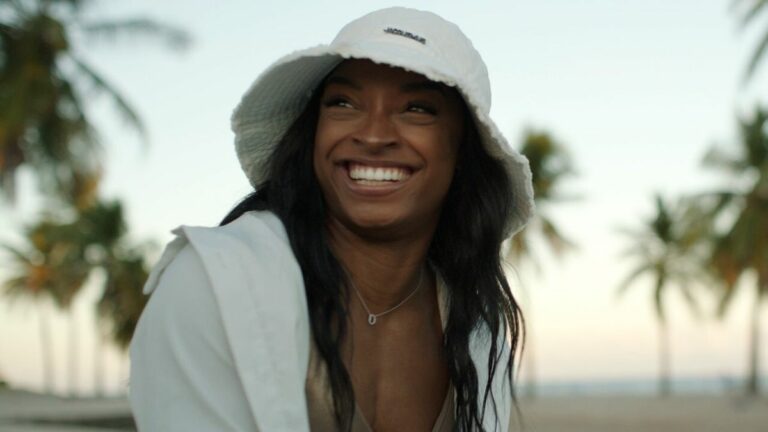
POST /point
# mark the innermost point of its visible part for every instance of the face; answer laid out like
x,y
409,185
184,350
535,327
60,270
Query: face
x,y
385,147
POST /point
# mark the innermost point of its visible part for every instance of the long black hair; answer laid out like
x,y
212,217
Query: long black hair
x,y
465,250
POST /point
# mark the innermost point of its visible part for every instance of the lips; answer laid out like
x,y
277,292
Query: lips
x,y
366,174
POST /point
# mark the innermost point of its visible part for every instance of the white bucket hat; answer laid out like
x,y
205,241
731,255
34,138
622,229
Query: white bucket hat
x,y
418,41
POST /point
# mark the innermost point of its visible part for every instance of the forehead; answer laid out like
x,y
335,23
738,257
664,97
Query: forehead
x,y
360,72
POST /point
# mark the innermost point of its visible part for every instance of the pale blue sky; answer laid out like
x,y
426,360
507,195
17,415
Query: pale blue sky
x,y
636,89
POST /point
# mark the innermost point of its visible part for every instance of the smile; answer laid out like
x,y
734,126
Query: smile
x,y
372,175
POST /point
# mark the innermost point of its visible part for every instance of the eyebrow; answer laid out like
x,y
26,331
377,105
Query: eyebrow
x,y
408,87
340,80
425,86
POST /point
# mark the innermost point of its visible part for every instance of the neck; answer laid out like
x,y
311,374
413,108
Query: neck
x,y
384,272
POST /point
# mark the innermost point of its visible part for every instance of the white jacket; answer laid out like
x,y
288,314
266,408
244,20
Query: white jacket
x,y
223,344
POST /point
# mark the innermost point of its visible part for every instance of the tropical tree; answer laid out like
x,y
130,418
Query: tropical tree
x,y
43,82
48,266
550,164
60,256
665,249
740,211
104,234
122,302
749,11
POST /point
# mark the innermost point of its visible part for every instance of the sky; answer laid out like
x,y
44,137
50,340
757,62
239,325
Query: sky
x,y
637,90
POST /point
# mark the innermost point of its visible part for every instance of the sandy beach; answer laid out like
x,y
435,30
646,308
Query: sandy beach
x,y
24,412
636,413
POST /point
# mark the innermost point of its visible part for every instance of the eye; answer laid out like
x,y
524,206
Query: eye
x,y
421,108
337,101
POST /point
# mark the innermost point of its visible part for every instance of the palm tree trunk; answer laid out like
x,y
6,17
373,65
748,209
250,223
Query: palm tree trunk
x,y
531,382
45,350
125,371
753,379
665,384
529,356
98,363
73,351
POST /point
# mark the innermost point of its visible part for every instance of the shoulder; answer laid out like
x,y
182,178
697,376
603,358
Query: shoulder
x,y
222,277
228,306
183,368
256,232
184,306
252,225
228,273
253,237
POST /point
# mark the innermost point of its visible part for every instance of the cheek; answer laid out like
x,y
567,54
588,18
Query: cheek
x,y
446,156
327,134
445,149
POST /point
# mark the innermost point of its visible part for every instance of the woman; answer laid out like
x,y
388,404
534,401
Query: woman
x,y
359,287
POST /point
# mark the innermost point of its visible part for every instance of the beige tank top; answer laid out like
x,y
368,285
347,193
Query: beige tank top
x,y
320,401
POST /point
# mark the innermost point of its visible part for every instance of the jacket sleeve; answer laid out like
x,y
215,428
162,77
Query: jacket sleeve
x,y
182,369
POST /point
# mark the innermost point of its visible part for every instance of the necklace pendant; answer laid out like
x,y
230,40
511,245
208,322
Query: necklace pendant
x,y
371,319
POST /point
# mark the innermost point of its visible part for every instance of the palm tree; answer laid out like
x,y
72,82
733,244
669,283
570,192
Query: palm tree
x,y
43,80
665,248
750,10
48,267
742,247
59,257
103,230
550,164
122,302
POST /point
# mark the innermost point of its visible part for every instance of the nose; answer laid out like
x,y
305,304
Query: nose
x,y
376,131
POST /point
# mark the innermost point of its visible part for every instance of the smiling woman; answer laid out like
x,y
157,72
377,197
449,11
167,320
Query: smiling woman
x,y
360,286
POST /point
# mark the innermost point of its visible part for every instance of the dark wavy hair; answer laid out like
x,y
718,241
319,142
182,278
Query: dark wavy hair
x,y
465,250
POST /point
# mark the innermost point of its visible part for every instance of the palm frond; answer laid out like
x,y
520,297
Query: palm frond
x,y
556,241
550,163
519,250
642,251
753,139
122,302
643,268
718,159
139,27
558,198
725,301
16,253
128,113
690,299
19,8
759,52
754,9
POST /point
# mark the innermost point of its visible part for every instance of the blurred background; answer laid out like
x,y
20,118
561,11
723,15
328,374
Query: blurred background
x,y
644,277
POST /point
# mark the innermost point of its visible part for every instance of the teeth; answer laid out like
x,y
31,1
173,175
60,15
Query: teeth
x,y
378,174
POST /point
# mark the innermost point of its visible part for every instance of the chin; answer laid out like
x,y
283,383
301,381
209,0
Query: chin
x,y
374,224
381,226
375,221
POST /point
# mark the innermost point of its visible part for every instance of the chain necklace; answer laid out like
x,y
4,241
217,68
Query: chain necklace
x,y
372,317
